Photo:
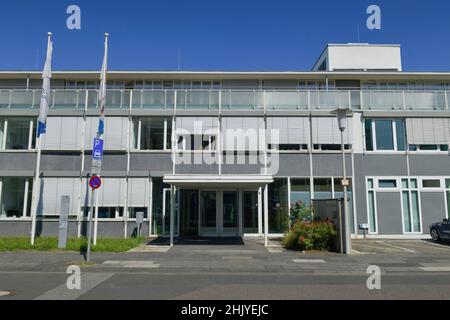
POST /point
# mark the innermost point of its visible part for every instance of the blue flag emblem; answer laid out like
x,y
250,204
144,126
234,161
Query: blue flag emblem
x,y
42,128
101,126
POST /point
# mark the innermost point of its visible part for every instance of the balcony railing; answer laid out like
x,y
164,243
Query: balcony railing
x,y
231,99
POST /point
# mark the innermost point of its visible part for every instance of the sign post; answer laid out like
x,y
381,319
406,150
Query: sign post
x,y
63,222
94,183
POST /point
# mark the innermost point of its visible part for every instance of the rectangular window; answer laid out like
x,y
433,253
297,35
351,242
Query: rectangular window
x,y
15,197
323,189
372,212
18,134
301,191
385,134
2,132
400,134
447,187
369,138
152,133
134,211
387,184
197,142
411,209
431,183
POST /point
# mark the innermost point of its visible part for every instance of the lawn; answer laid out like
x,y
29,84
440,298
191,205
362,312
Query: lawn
x,y
51,244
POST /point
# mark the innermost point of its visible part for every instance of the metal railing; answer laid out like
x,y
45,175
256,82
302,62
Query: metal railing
x,y
232,99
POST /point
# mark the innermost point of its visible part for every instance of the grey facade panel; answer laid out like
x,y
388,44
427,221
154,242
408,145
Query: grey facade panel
x,y
197,169
330,165
429,165
389,213
50,229
61,162
15,228
151,162
242,169
433,209
112,162
293,165
381,165
17,161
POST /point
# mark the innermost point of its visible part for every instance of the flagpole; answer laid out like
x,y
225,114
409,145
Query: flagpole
x,y
100,131
36,183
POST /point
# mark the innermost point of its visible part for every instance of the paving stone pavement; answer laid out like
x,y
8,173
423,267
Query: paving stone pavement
x,y
251,256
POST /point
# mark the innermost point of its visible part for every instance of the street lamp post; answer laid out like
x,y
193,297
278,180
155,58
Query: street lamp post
x,y
341,115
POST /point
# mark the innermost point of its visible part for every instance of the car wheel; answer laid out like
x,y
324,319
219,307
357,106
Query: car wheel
x,y
435,235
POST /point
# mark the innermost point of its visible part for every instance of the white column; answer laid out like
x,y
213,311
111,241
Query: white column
x,y
241,213
172,213
266,215
95,218
150,209
1,204
25,197
260,212
125,210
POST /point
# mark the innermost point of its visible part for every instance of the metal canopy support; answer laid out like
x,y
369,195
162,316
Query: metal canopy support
x,y
266,215
172,212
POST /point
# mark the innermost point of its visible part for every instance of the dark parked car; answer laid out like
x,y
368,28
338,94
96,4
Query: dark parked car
x,y
440,231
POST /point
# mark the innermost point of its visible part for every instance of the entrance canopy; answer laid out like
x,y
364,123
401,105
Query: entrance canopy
x,y
218,181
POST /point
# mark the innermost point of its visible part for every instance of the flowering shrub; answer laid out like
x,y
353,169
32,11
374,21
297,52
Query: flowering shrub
x,y
306,235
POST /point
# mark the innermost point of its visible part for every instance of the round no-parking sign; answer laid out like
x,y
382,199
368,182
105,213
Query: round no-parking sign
x,y
95,182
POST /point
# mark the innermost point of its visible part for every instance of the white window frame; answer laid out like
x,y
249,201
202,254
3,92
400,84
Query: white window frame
x,y
424,189
410,190
138,146
373,189
447,204
26,203
31,132
374,137
419,151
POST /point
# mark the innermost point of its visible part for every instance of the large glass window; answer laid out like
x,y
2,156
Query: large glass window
x,y
278,206
447,191
158,205
13,202
323,189
371,207
385,134
18,134
301,191
411,209
152,133
2,132
250,210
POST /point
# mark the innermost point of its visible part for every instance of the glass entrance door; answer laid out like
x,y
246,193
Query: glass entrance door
x,y
219,214
189,212
166,214
230,211
208,214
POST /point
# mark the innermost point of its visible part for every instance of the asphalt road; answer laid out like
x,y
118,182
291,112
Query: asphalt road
x,y
409,270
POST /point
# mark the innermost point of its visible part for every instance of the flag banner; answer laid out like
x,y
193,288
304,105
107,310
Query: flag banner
x,y
45,98
102,91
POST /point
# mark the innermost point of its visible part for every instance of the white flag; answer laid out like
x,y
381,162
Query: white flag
x,y
102,92
46,76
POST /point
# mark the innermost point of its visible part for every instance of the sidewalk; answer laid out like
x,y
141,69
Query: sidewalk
x,y
249,257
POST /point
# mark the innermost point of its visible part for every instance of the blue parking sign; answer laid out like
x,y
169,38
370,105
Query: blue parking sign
x,y
97,152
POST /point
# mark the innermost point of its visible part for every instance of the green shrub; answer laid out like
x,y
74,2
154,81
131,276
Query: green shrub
x,y
301,212
305,235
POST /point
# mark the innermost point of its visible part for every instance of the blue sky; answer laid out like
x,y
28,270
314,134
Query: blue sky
x,y
218,35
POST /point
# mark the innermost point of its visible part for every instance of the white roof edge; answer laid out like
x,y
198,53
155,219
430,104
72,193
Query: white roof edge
x,y
364,45
237,73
